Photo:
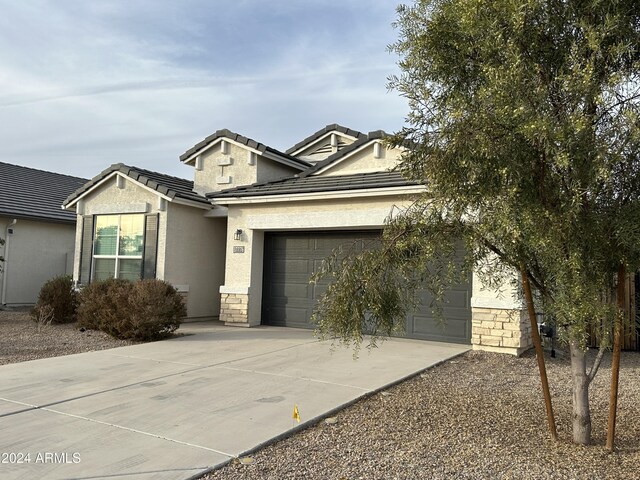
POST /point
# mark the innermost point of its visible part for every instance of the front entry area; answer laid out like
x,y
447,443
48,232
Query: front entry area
x,y
288,299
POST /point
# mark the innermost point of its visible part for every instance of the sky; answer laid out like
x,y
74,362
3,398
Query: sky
x,y
85,84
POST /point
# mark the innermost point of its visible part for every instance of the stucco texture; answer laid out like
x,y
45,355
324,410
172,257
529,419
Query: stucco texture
x,y
35,252
235,166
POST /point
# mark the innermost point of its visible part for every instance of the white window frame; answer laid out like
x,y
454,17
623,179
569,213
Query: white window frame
x,y
117,257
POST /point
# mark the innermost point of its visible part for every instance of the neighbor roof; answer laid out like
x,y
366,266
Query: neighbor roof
x,y
317,184
228,134
35,194
334,127
172,187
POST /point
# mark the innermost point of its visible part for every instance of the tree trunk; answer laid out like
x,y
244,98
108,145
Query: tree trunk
x,y
615,361
535,336
581,417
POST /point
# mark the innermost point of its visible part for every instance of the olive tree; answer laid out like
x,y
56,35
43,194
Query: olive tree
x,y
524,126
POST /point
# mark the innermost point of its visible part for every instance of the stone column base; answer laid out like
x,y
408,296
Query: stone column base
x,y
500,330
234,309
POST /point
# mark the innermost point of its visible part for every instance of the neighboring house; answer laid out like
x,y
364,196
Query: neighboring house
x,y
241,239
39,235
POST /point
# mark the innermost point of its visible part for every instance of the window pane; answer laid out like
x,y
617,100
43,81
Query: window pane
x,y
104,268
130,269
106,235
131,235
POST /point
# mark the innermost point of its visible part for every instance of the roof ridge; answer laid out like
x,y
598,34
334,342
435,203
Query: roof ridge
x,y
247,141
158,173
374,135
43,171
319,133
160,182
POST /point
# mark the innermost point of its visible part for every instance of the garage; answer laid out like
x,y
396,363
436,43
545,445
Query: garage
x,y
288,299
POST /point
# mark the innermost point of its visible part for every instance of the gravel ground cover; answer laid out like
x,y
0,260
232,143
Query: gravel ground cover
x,y
22,340
479,416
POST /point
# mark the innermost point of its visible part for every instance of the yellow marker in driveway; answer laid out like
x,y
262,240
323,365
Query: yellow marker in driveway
x,y
296,413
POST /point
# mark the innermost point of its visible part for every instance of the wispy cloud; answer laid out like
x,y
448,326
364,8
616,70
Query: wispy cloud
x,y
84,84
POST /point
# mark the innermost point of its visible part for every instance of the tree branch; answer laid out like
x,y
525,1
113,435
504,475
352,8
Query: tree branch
x,y
596,364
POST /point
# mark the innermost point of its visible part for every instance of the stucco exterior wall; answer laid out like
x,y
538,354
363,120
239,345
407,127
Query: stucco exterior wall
x,y
237,167
244,269
111,199
498,323
195,258
364,161
269,170
35,252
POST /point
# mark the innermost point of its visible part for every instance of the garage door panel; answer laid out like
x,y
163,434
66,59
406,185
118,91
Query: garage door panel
x,y
289,300
283,244
291,265
290,317
289,291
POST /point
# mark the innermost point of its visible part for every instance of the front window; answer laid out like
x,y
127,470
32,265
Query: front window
x,y
118,246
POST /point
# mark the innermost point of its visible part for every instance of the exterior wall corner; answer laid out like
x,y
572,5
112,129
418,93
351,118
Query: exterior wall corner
x,y
500,330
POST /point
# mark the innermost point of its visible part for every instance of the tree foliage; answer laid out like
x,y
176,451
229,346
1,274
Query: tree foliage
x,y
524,126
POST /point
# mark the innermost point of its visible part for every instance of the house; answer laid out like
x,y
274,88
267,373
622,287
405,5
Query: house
x,y
241,239
39,236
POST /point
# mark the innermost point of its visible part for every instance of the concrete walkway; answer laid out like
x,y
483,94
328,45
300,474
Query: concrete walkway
x,y
173,409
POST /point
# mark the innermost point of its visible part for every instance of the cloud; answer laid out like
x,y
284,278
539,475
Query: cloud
x,y
86,84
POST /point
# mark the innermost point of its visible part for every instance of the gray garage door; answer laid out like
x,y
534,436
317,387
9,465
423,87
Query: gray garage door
x,y
288,299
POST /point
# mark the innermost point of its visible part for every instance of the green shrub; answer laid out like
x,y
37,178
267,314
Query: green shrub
x,y
145,310
56,301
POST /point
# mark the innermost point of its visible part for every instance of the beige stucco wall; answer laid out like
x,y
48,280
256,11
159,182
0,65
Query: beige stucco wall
x,y
269,170
364,161
190,246
244,270
497,320
195,258
37,252
236,166
110,199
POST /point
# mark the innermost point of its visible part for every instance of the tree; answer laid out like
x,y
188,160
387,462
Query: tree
x,y
524,126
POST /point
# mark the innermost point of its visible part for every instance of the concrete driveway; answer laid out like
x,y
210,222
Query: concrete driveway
x,y
173,409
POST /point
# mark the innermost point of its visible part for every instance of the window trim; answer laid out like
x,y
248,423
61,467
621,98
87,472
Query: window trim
x,y
117,257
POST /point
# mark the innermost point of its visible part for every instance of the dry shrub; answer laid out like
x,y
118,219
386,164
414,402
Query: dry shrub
x,y
56,301
145,310
101,304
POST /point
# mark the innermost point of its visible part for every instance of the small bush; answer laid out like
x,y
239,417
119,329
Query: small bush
x,y
103,303
145,310
56,301
157,309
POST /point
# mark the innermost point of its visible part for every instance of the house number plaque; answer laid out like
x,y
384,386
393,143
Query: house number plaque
x,y
238,249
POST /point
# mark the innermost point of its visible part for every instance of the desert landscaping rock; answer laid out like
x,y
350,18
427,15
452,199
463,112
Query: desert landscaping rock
x,y
22,340
479,417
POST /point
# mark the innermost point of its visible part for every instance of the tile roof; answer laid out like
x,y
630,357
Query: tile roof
x,y
173,187
262,148
334,127
317,184
35,194
362,140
